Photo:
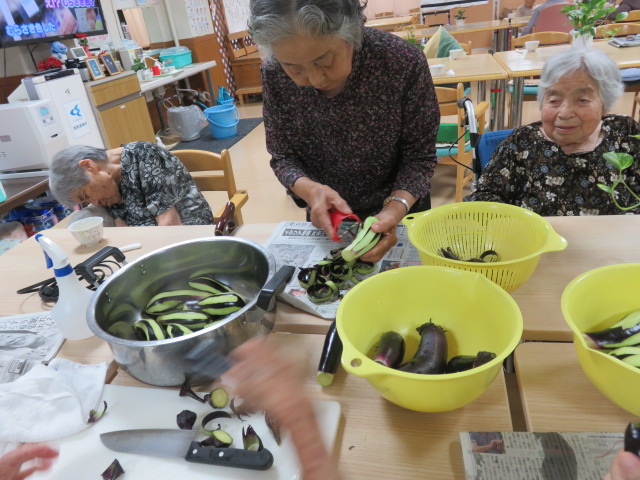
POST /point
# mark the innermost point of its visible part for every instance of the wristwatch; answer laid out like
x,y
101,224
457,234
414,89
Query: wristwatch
x,y
392,198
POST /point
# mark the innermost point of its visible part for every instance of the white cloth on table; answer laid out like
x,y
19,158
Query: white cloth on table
x,y
50,402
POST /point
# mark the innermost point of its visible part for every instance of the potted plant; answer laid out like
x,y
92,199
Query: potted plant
x,y
411,38
139,67
584,17
620,161
460,18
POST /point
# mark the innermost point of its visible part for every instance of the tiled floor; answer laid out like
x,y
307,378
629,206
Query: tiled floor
x,y
268,202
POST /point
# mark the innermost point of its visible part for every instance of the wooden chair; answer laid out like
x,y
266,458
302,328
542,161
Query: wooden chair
x,y
622,29
245,64
214,172
447,100
384,14
632,16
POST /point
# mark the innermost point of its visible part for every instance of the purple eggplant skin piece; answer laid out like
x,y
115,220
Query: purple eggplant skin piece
x,y
186,419
610,336
632,438
390,350
113,471
432,353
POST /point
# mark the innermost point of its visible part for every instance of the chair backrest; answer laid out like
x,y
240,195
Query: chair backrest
x,y
488,143
551,19
632,16
240,44
620,29
545,39
212,172
466,47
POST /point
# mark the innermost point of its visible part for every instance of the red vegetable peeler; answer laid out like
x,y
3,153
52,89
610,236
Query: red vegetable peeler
x,y
337,219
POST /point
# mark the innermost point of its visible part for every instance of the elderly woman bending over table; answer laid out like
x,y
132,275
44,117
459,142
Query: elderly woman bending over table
x,y
140,184
553,167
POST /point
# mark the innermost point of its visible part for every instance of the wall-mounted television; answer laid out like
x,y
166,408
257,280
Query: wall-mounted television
x,y
35,21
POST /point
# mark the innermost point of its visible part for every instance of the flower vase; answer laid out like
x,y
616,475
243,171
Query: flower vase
x,y
581,41
460,22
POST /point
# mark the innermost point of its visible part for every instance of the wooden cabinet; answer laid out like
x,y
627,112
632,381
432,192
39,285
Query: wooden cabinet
x,y
120,110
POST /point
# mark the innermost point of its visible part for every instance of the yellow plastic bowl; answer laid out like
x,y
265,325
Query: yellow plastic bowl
x,y
476,313
596,300
519,236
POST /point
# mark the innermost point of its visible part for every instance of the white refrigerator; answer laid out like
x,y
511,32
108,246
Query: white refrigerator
x,y
66,90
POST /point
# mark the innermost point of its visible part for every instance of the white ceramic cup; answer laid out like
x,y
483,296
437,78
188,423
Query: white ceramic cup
x,y
437,70
456,53
88,231
531,45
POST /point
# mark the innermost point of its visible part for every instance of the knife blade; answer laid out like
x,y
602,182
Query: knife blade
x,y
168,442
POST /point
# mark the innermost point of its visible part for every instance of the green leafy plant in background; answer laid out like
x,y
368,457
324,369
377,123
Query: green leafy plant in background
x,y
585,16
460,14
620,161
138,65
411,38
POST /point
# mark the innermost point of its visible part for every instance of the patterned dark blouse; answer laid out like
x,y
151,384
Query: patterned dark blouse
x,y
153,181
377,136
530,171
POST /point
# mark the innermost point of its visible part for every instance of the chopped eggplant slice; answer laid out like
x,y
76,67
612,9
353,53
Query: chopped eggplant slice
x,y
251,440
186,419
113,471
94,415
217,438
218,398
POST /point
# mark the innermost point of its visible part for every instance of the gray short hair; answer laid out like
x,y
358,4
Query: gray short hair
x,y
66,176
272,21
598,65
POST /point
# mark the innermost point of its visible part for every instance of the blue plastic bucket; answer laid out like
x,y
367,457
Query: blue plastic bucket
x,y
223,120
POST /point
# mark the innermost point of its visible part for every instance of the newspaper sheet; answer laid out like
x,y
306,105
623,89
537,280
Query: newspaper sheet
x,y
544,456
302,245
25,341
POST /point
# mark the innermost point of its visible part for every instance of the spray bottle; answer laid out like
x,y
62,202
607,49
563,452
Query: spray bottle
x,y
70,311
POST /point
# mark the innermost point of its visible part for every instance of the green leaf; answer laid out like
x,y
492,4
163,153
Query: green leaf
x,y
635,136
626,160
612,158
606,188
621,16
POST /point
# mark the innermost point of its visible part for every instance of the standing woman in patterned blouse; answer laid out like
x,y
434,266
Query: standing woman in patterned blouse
x,y
350,113
140,184
553,167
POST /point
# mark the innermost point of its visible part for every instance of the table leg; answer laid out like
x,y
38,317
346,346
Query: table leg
x,y
516,102
482,91
210,86
500,101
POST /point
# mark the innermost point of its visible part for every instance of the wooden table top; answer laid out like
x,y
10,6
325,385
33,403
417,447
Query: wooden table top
x,y
428,32
557,396
518,64
389,22
19,190
469,68
379,440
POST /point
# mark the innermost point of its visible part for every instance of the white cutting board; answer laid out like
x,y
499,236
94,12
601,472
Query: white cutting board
x,y
83,456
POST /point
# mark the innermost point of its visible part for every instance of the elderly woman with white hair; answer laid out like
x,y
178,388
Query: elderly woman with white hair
x,y
140,184
553,166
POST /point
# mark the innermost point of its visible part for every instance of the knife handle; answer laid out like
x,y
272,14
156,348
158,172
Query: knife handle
x,y
230,457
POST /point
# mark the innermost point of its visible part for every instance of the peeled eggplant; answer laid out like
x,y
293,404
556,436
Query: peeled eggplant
x,y
431,357
623,333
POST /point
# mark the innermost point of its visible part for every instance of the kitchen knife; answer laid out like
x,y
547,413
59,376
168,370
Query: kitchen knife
x,y
179,443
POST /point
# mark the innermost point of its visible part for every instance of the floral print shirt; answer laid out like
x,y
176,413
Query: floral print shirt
x,y
153,181
532,172
376,136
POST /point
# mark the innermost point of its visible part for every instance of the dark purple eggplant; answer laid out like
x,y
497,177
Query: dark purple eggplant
x,y
462,363
330,356
431,357
617,335
632,438
390,350
186,419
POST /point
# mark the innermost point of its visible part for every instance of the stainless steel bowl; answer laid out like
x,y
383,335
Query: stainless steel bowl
x,y
245,266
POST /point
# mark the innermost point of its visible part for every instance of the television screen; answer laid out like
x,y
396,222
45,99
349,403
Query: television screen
x,y
34,21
